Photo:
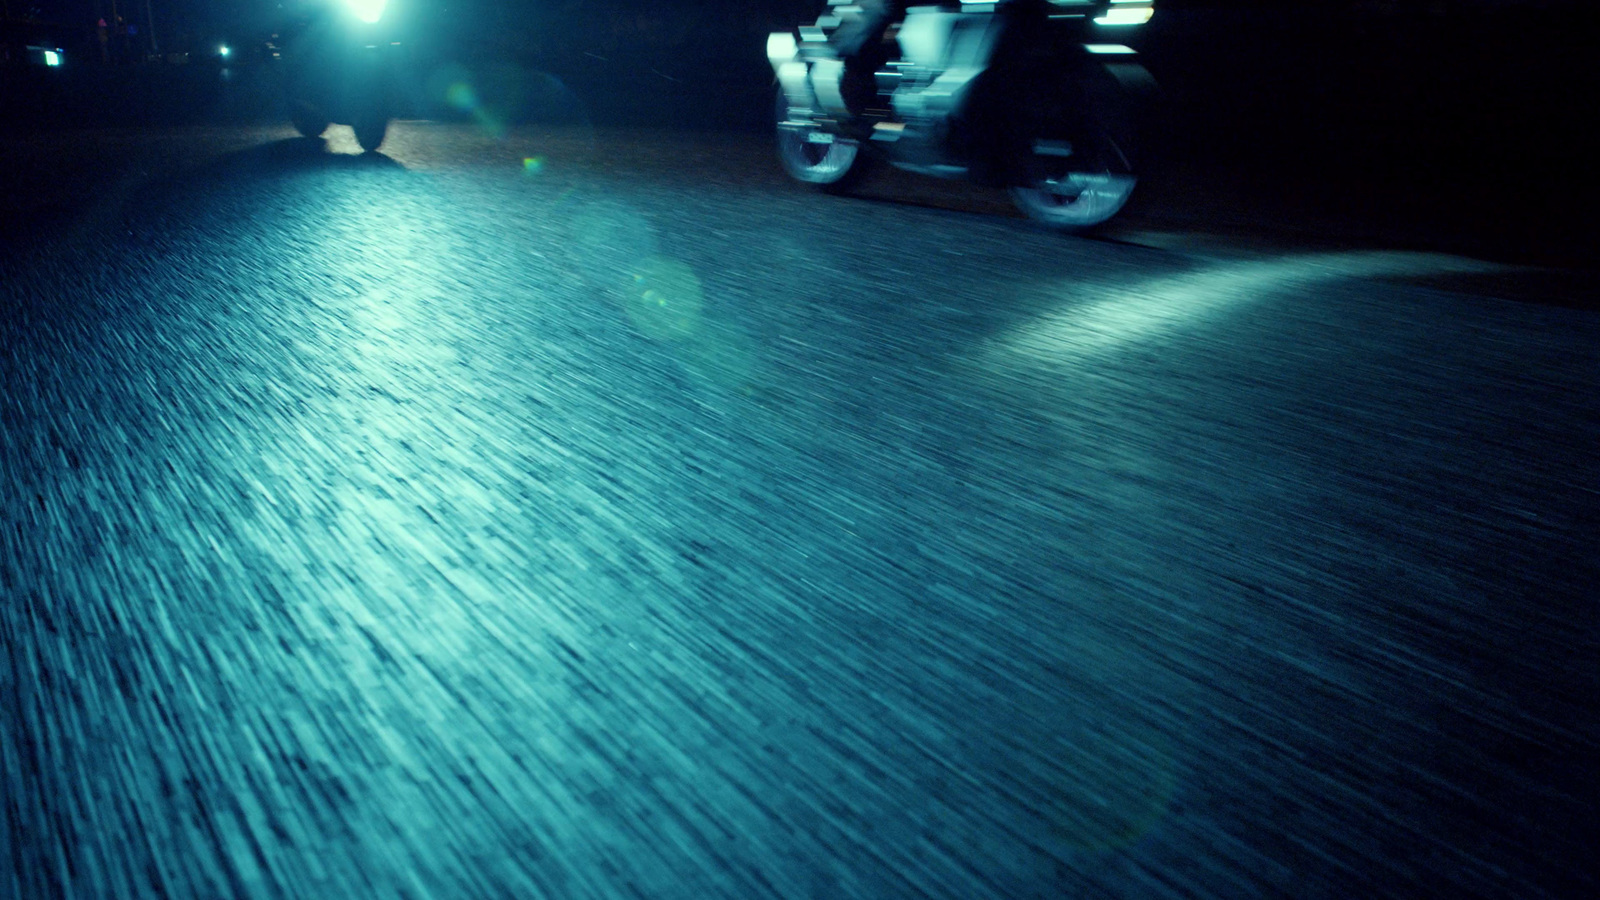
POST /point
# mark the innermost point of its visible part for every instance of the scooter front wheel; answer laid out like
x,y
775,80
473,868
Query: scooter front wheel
x,y
1080,183
1074,201
814,156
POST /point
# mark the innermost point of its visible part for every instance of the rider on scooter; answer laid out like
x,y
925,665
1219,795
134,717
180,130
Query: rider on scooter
x,y
858,42
997,120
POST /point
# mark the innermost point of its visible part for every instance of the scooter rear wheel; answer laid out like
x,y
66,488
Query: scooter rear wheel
x,y
816,157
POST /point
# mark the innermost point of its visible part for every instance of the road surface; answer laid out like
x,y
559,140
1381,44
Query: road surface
x,y
595,514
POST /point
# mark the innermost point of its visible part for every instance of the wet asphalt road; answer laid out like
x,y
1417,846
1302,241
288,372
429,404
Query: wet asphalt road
x,y
597,515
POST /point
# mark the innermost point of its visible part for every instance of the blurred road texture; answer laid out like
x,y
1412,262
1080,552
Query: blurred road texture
x,y
595,514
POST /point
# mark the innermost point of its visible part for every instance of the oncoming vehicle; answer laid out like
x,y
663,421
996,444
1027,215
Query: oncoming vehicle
x,y
22,45
44,56
1043,97
343,63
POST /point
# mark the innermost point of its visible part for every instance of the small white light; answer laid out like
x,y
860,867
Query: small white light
x,y
369,11
52,58
224,50
1108,49
1137,15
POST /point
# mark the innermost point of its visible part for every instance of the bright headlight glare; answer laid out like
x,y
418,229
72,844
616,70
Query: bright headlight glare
x,y
369,11
1126,15
781,47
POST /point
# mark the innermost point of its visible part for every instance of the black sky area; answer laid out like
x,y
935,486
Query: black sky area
x,y
1433,94
498,16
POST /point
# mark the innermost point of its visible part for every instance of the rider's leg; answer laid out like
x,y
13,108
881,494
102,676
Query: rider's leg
x,y
859,42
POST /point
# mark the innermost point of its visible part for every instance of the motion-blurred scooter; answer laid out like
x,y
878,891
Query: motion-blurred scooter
x,y
1043,97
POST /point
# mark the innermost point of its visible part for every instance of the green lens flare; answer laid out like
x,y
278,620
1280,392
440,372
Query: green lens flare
x,y
665,299
461,96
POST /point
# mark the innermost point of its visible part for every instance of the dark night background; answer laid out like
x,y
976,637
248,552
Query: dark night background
x,y
1474,111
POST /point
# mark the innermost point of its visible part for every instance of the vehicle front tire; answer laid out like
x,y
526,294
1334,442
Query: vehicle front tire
x,y
308,120
370,131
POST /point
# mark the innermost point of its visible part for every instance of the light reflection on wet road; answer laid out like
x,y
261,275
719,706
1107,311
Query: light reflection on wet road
x,y
635,524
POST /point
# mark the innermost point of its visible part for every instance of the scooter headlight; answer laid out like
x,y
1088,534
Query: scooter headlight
x,y
369,11
1126,12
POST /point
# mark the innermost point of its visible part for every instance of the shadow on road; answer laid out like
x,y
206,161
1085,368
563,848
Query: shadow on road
x,y
63,188
289,156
